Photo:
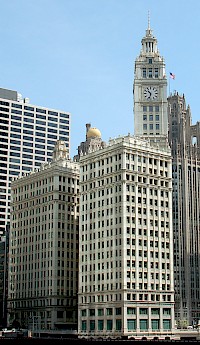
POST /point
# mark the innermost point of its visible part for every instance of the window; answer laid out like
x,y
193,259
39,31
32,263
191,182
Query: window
x,y
167,324
84,325
39,122
66,116
155,311
92,312
150,73
143,325
40,110
118,324
60,314
52,112
150,61
92,325
131,324
144,117
27,119
154,324
157,117
144,108
166,311
144,72
100,325
109,311
118,311
109,325
151,117
100,312
131,311
52,124
143,311
156,72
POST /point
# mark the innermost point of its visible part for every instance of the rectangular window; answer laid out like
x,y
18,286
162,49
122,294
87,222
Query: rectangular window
x,y
144,72
156,72
27,131
155,324
150,73
145,126
38,116
40,110
64,121
118,311
66,116
166,311
100,325
64,127
39,122
157,118
84,326
66,133
40,134
131,324
15,148
100,312
143,311
39,128
52,112
167,324
52,124
17,105
27,138
92,312
52,136
131,311
144,117
92,325
27,119
109,311
109,325
118,325
15,142
29,114
143,325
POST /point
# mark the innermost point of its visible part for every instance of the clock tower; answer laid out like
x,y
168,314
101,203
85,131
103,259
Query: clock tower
x,y
150,91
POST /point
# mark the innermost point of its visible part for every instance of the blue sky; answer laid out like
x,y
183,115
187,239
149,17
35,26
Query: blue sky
x,y
78,56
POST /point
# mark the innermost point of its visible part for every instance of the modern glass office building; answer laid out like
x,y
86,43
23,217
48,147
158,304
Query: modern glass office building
x,y
28,134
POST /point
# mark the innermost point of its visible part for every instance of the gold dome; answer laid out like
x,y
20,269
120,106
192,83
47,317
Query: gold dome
x,y
93,132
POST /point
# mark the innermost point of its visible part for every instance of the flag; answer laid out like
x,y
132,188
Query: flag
x,y
172,75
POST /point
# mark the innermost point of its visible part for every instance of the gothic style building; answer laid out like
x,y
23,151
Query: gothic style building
x,y
184,139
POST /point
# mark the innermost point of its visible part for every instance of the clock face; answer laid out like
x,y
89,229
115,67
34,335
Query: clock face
x,y
150,93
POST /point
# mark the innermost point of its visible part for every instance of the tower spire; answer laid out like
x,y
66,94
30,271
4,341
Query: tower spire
x,y
148,20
